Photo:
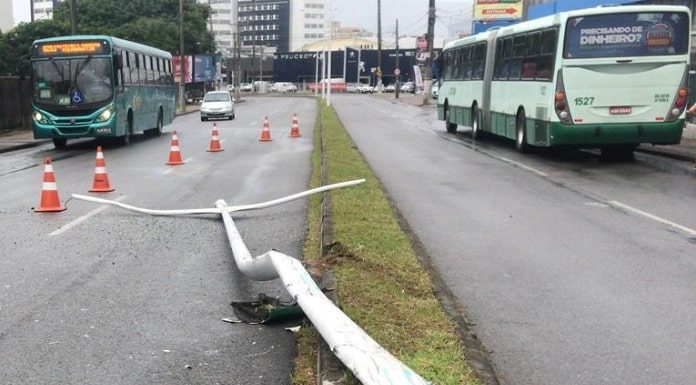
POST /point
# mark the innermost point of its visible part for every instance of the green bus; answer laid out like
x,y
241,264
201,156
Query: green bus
x,y
100,87
606,77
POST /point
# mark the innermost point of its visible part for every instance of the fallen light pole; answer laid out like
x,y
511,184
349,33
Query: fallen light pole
x,y
369,362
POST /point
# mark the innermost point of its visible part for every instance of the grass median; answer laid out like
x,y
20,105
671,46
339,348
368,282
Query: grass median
x,y
382,285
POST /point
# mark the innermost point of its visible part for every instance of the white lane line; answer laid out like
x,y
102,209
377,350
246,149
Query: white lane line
x,y
84,217
653,217
524,166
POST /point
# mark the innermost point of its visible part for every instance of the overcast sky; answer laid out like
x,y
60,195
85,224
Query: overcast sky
x,y
452,15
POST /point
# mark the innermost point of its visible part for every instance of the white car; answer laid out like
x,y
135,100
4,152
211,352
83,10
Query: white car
x,y
217,104
283,87
246,87
365,89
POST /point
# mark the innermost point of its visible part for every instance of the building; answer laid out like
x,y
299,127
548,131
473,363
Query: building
x,y
6,18
264,23
223,23
308,22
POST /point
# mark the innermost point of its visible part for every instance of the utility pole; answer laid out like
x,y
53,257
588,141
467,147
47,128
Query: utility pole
x,y
378,72
328,90
31,9
253,47
428,69
73,17
182,78
397,71
237,66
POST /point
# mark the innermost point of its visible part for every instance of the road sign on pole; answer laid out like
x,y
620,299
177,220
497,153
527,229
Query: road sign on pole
x,y
397,72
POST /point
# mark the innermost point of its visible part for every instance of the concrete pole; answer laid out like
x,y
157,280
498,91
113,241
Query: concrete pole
x,y
328,91
182,79
316,76
73,17
428,69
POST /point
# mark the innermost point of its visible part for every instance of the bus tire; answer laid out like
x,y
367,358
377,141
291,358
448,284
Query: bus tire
x,y
157,131
60,143
521,132
125,139
450,127
475,122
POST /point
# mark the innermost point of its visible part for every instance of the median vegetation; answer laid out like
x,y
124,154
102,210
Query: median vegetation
x,y
382,285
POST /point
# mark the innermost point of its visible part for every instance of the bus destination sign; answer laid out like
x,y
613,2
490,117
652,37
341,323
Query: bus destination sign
x,y
69,48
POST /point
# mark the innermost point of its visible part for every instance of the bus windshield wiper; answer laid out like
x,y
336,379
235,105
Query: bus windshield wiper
x,y
59,70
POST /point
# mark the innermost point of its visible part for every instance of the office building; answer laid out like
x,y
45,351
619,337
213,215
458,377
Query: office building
x,y
223,23
6,18
308,23
43,9
264,23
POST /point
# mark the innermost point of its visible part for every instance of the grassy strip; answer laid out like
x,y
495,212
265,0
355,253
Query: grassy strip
x,y
382,285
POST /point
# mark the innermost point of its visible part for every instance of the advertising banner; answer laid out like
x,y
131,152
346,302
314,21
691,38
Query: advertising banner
x,y
490,10
188,65
204,69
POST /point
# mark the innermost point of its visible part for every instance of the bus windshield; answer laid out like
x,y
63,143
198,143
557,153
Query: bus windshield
x,y
72,82
627,35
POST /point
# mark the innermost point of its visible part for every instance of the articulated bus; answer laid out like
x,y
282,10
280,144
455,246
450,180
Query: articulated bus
x,y
606,77
100,87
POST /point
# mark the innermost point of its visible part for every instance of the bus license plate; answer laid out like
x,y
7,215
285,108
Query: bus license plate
x,y
620,110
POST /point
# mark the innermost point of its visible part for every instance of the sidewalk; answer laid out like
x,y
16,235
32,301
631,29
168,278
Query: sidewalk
x,y
19,139
684,151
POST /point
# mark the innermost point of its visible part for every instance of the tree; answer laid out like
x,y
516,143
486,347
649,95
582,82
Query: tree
x,y
151,22
15,46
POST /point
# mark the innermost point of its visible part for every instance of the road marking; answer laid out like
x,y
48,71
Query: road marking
x,y
524,166
171,169
653,217
84,217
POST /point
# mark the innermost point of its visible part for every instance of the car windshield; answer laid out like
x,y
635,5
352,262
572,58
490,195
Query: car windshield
x,y
72,82
217,97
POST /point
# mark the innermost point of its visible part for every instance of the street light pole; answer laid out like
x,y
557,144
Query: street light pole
x,y
328,90
428,69
182,78
73,17
397,71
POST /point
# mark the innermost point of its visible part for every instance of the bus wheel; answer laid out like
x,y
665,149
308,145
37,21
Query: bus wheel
x,y
157,131
60,143
450,127
521,132
475,122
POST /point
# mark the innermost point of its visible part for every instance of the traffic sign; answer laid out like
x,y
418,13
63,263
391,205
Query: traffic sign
x,y
397,71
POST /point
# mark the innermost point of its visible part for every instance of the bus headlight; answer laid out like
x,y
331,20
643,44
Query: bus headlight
x,y
39,118
106,114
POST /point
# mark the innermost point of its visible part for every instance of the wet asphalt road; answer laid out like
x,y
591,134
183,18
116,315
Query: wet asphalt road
x,y
105,296
573,270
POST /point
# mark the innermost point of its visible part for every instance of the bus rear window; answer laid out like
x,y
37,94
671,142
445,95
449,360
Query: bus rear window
x,y
627,35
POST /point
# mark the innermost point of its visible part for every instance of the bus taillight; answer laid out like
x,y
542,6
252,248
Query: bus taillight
x,y
680,99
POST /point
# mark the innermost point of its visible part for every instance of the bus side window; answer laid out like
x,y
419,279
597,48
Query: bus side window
x,y
529,63
151,70
507,58
125,71
479,58
142,70
547,54
468,64
518,49
498,68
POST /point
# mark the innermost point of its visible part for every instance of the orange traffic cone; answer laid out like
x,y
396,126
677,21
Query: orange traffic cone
x,y
49,192
174,153
266,133
101,179
215,141
295,129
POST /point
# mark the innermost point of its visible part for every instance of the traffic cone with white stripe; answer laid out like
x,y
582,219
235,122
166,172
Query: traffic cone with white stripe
x,y
175,153
266,133
49,192
101,179
295,129
215,141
